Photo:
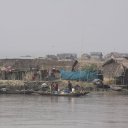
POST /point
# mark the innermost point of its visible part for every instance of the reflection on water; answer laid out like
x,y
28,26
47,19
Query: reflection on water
x,y
92,111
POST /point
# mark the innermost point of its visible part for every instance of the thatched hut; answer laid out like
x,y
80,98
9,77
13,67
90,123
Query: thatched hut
x,y
31,69
116,70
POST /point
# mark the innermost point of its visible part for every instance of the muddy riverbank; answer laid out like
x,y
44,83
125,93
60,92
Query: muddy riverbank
x,y
27,87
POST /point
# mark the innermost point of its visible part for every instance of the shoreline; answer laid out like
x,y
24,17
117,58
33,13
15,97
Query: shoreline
x,y
27,87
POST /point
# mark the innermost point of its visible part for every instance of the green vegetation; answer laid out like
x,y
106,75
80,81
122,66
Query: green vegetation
x,y
90,67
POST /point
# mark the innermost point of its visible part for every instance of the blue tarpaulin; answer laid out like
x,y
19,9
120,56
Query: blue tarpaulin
x,y
78,75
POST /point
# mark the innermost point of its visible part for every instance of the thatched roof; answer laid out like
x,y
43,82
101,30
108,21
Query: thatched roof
x,y
116,55
115,66
26,64
121,61
113,55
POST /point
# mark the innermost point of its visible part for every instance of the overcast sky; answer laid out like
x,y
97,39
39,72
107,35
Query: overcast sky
x,y
40,27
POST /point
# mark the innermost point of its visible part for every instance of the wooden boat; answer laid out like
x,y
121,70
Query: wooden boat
x,y
116,88
62,94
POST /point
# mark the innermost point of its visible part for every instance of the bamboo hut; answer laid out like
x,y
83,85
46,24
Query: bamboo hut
x,y
116,70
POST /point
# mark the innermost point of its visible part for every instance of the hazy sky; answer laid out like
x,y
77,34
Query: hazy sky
x,y
40,27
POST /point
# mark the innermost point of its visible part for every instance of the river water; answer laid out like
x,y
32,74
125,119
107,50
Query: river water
x,y
91,111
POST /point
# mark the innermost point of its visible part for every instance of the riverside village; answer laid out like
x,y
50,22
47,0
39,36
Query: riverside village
x,y
65,74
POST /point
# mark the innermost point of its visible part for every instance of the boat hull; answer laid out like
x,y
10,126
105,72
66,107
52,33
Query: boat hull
x,y
64,94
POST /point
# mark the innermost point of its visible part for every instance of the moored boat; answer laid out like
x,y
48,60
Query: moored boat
x,y
71,94
116,88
